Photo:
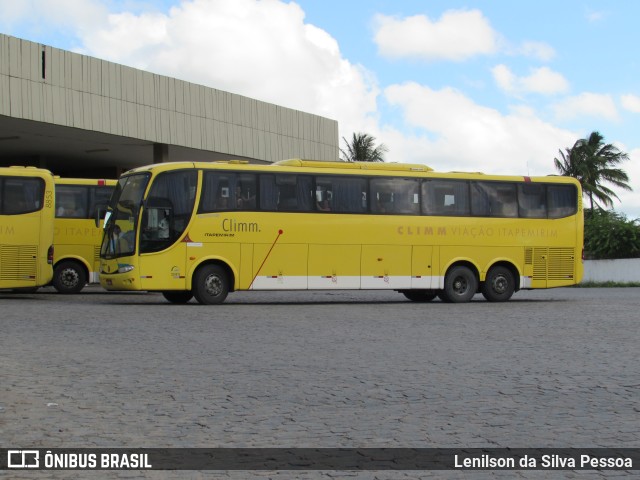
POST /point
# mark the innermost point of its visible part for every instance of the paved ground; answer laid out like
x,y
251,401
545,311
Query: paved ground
x,y
552,368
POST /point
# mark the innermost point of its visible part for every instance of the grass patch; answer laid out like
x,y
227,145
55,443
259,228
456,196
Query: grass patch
x,y
608,284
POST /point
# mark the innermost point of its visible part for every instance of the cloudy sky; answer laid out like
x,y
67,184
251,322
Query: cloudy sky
x,y
494,86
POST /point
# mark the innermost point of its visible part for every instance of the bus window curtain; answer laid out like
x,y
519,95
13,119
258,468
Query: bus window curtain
x,y
304,193
347,195
268,193
562,200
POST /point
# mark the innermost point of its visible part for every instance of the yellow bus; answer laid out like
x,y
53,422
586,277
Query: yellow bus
x,y
80,202
27,204
204,230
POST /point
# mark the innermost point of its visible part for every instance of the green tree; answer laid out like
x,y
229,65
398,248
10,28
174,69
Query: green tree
x,y
595,163
362,148
608,234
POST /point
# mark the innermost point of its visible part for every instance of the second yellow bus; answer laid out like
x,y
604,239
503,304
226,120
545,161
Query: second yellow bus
x,y
80,206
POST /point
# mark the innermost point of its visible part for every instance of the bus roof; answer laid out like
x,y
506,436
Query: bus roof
x,y
84,181
375,168
400,167
20,171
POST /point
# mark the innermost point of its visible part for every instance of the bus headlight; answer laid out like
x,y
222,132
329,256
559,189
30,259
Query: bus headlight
x,y
124,268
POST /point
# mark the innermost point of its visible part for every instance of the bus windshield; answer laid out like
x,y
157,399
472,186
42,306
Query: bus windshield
x,y
122,216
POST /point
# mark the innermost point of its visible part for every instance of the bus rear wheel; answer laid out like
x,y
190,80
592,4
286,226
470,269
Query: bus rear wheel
x,y
69,277
460,285
499,284
421,296
178,296
210,285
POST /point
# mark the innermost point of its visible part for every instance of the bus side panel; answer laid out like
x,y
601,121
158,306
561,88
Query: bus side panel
x,y
164,270
386,266
452,254
280,266
246,267
421,268
334,267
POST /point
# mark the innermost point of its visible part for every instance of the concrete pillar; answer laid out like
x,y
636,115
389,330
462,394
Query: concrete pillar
x,y
160,153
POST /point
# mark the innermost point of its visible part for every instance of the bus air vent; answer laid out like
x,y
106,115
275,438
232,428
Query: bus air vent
x,y
18,262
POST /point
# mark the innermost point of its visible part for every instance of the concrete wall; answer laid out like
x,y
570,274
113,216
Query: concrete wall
x,y
46,84
625,270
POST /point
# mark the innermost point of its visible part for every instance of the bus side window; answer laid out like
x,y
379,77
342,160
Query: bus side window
x,y
219,192
445,197
532,200
324,197
268,193
72,201
158,219
395,195
341,194
493,199
22,195
562,200
505,204
295,193
287,195
246,192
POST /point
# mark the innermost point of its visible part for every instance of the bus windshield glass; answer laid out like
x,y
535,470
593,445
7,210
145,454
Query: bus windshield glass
x,y
119,235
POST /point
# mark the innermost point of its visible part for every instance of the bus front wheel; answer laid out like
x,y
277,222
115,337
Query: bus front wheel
x,y
210,284
499,284
460,285
69,277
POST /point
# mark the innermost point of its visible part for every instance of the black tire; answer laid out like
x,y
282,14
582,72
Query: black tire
x,y
210,285
178,296
460,284
69,277
443,298
421,296
499,284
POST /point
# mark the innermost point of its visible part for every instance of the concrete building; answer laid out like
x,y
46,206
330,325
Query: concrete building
x,y
82,116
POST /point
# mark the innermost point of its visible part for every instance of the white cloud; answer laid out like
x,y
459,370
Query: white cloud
x,y
261,49
541,80
59,15
505,78
456,35
458,134
539,50
630,102
587,104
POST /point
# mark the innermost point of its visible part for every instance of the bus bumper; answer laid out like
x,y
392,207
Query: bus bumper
x,y
119,281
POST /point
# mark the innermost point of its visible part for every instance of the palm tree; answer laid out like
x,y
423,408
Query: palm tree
x,y
362,149
593,163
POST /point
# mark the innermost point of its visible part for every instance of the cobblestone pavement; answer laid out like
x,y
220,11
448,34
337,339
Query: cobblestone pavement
x,y
550,368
